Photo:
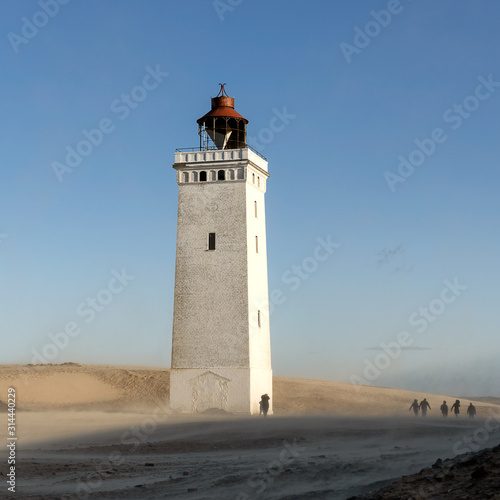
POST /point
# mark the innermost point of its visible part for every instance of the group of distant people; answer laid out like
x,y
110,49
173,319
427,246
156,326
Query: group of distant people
x,y
423,406
455,408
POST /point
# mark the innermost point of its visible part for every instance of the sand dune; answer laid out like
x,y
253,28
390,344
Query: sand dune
x,y
84,387
103,432
93,387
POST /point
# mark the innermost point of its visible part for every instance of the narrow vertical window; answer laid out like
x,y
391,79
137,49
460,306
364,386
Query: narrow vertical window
x,y
258,181
257,244
258,318
211,241
253,178
255,206
203,176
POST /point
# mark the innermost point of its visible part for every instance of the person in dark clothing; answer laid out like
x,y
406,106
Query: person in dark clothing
x,y
264,404
444,409
471,411
424,404
414,407
456,407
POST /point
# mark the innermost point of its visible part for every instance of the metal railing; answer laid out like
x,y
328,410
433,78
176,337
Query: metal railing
x,y
187,150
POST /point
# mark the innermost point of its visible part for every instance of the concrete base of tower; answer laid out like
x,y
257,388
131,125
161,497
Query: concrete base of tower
x,y
235,390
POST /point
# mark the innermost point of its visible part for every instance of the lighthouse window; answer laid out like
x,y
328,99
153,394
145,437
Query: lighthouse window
x,y
258,181
255,206
211,241
203,176
258,318
257,244
253,178
221,175
186,176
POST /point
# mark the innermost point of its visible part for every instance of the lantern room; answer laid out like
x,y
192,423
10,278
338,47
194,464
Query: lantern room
x,y
222,127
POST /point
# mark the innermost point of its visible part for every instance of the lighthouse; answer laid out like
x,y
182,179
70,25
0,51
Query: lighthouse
x,y
221,353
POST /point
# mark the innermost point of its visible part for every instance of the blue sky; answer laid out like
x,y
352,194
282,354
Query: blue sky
x,y
362,84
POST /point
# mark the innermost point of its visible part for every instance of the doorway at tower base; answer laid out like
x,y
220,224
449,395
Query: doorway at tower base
x,y
235,390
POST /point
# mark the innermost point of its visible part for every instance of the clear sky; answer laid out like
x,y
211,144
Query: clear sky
x,y
386,143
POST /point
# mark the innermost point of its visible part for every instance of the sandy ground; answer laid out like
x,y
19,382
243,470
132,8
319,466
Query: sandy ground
x,y
469,476
105,432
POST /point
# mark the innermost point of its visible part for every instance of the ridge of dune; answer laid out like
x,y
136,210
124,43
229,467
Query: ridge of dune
x,y
89,387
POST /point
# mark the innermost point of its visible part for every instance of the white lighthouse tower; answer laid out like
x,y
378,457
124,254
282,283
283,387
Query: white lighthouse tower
x,y
221,354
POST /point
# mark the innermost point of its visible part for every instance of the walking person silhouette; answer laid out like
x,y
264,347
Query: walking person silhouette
x,y
424,404
264,404
444,409
471,411
414,407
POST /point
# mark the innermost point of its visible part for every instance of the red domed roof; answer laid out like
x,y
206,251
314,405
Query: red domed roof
x,y
223,106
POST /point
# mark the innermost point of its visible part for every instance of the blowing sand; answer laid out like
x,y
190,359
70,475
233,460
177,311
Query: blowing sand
x,y
105,432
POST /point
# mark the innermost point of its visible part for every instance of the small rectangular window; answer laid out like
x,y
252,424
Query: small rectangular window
x,y
258,318
257,244
211,241
255,206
